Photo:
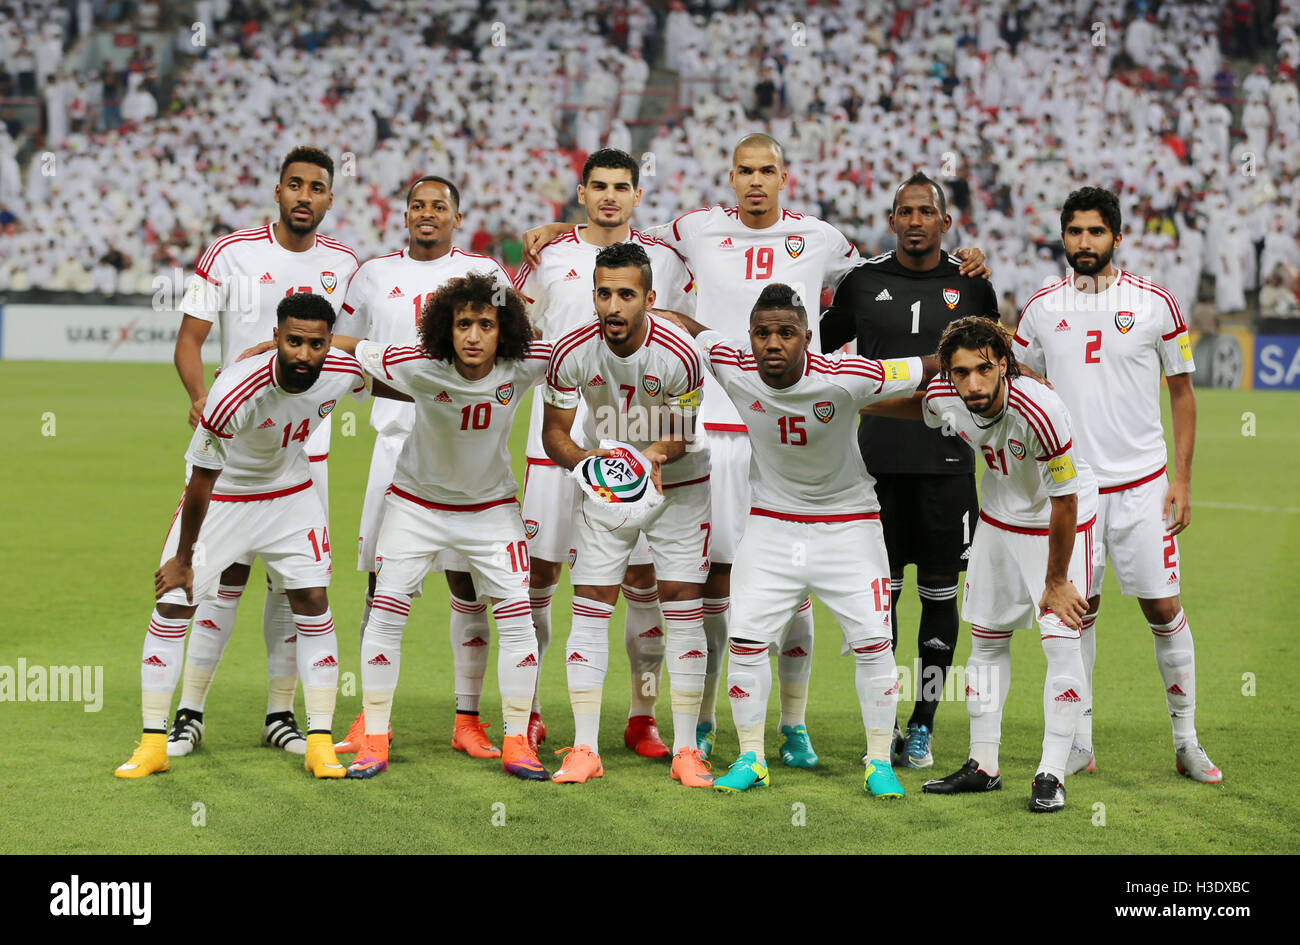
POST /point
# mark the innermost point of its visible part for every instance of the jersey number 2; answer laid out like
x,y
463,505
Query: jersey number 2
x,y
1092,352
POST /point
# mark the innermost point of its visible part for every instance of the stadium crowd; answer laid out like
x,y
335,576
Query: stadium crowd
x,y
1012,104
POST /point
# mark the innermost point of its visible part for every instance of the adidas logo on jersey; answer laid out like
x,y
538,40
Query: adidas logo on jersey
x,y
596,381
576,657
266,279
654,633
380,660
726,244
268,422
396,293
1173,577
571,275
757,407
795,652
330,663
155,662
1068,696
477,641
529,660
442,398
884,296
693,655
735,692
1175,690
1063,325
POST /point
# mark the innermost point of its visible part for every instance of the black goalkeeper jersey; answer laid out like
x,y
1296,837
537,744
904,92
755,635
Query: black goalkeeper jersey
x,y
894,313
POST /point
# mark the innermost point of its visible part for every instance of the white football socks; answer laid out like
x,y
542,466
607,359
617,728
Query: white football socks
x,y
539,599
749,685
516,661
318,665
213,622
280,634
1062,701
469,651
643,638
876,679
381,657
716,617
1176,658
1088,652
988,679
160,668
586,666
794,666
687,657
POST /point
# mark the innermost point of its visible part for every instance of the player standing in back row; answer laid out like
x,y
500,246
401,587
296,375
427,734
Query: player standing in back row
x,y
237,284
897,305
1102,335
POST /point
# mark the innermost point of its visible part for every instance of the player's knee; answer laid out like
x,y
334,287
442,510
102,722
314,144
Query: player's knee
x,y
640,576
175,611
718,583
1161,611
461,585
308,601
236,575
543,573
674,591
1094,605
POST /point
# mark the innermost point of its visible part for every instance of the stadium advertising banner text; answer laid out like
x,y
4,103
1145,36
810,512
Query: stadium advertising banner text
x,y
1277,362
93,333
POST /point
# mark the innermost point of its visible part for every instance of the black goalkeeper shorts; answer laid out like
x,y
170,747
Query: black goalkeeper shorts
x,y
929,520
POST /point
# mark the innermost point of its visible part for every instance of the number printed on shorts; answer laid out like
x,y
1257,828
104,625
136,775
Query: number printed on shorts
x,y
1171,552
881,588
476,416
323,545
704,527
792,431
758,262
518,552
303,431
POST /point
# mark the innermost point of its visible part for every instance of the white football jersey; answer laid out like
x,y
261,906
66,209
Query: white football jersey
x,y
256,433
625,397
733,263
805,463
244,275
1028,451
1103,353
558,294
457,456
383,305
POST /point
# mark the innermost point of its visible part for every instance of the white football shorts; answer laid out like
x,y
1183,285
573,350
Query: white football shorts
x,y
550,504
677,533
729,455
1131,530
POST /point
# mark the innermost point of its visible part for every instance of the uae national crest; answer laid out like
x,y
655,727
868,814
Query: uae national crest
x,y
650,383
1124,321
505,393
326,407
328,281
530,527
794,246
1017,448
823,411
951,297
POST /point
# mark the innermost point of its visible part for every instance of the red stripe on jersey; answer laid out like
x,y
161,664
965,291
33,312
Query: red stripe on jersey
x,y
260,496
1037,417
330,243
348,309
209,257
727,427
1134,484
854,361
677,233
318,459
447,507
688,482
1162,292
230,404
1045,290
1021,341
204,423
540,462
564,347
791,215
1064,449
1021,530
538,350
683,350
815,519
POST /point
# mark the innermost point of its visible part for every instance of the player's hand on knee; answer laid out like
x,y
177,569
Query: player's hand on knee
x,y
972,263
1066,602
171,575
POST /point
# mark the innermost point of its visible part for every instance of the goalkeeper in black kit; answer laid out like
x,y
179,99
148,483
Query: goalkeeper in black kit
x,y
896,305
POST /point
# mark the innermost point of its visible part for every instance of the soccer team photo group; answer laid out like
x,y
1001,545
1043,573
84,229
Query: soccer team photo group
x,y
761,442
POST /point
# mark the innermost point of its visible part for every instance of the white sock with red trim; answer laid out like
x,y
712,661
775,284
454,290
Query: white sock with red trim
x,y
213,622
381,657
1088,652
749,686
643,638
1062,702
160,668
586,666
469,651
516,661
1176,658
318,665
539,599
794,666
716,618
988,679
876,678
281,636
687,657
365,617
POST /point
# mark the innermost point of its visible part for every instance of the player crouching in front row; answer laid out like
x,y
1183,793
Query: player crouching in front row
x,y
1033,545
453,490
252,440
814,523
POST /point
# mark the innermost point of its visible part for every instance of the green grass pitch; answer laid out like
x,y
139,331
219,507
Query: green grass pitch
x,y
91,473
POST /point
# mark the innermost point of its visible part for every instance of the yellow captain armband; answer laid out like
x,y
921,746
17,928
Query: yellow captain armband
x,y
1185,346
896,370
1061,468
687,401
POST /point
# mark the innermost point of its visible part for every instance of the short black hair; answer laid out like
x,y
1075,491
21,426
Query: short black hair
x,y
611,158
920,179
759,139
307,306
306,154
1092,198
455,194
625,254
977,333
477,288
778,296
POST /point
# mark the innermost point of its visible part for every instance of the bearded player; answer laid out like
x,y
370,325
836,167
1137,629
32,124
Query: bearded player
x,y
558,293
237,284
1103,336
814,525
